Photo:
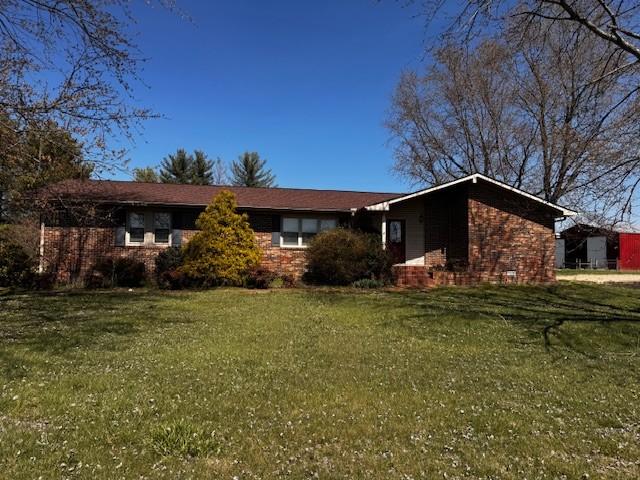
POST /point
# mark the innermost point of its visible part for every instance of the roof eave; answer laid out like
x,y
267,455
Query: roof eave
x,y
139,203
384,206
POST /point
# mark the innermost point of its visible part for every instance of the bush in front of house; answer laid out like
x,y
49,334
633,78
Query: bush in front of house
x,y
341,257
224,250
260,278
168,269
119,272
17,268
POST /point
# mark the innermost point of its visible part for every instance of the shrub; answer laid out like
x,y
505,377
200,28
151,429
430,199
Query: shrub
x,y
288,281
340,257
17,268
225,249
121,272
174,280
42,281
260,277
168,263
368,283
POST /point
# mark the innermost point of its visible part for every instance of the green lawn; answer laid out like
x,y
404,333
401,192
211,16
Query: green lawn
x,y
596,271
487,383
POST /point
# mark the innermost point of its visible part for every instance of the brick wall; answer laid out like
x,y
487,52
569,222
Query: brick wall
x,y
485,234
72,251
509,233
286,261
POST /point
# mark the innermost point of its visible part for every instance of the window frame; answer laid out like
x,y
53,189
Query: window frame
x,y
128,239
149,235
154,228
300,234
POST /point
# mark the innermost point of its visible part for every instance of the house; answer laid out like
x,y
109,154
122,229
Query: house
x,y
469,230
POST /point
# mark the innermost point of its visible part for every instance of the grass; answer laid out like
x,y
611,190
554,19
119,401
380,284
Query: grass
x,y
485,383
598,271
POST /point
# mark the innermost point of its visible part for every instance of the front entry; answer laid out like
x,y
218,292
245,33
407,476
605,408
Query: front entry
x,y
396,240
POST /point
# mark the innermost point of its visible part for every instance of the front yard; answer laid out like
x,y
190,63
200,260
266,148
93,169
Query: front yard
x,y
501,383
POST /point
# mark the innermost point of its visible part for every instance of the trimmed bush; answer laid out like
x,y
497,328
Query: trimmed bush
x,y
283,281
341,256
224,250
168,263
260,278
174,280
17,268
121,272
43,281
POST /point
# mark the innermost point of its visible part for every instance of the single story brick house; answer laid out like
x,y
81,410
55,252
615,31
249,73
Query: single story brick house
x,y
470,230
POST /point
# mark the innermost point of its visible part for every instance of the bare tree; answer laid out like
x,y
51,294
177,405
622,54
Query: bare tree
x,y
219,172
524,108
72,63
615,22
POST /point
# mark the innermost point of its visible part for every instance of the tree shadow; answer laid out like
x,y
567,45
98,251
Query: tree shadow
x,y
62,323
541,311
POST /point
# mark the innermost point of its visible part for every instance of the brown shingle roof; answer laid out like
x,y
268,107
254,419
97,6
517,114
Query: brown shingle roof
x,y
114,192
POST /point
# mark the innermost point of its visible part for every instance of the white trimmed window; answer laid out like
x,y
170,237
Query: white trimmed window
x,y
298,232
148,228
136,227
290,231
161,227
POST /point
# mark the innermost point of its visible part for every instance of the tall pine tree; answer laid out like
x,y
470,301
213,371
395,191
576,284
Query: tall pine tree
x,y
183,167
176,168
146,174
201,169
250,171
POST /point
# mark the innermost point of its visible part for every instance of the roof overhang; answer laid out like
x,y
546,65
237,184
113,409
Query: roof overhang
x,y
384,206
145,204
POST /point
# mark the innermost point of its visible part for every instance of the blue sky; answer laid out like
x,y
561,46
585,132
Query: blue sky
x,y
304,83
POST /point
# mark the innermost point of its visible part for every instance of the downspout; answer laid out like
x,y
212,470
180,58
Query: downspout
x,y
383,229
41,260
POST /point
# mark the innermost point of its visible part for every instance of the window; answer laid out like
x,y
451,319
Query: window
x,y
136,227
148,228
298,232
395,232
161,227
328,224
309,230
290,227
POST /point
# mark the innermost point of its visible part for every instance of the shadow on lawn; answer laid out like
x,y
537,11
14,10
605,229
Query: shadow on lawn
x,y
541,310
61,322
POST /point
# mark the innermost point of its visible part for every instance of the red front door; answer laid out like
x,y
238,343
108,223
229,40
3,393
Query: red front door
x,y
396,240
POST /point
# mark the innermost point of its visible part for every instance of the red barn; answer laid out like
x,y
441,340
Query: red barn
x,y
629,251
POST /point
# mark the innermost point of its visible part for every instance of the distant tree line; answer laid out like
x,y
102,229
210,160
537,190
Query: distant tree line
x,y
248,170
